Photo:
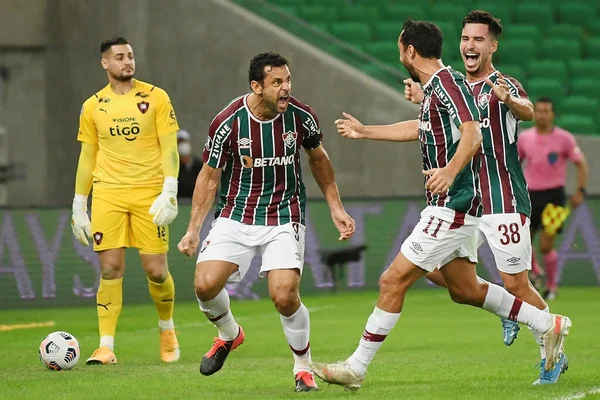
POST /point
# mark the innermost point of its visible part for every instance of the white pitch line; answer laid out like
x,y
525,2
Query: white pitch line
x,y
580,395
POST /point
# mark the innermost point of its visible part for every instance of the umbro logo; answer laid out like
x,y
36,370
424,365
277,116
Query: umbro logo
x,y
244,143
513,261
417,246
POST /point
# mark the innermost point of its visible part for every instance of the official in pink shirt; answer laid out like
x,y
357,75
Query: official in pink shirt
x,y
545,151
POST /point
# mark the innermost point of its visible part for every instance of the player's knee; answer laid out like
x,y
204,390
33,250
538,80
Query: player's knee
x,y
462,296
391,282
112,269
206,286
157,275
286,300
546,248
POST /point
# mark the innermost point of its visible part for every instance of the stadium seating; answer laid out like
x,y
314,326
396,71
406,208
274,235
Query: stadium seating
x,y
551,46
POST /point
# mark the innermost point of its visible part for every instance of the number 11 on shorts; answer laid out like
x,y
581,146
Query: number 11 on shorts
x,y
437,228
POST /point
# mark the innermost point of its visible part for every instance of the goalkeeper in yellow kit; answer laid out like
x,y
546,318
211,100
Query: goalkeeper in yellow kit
x,y
129,153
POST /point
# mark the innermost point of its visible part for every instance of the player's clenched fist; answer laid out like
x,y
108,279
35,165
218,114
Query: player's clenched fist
x,y
350,127
440,180
344,223
412,91
188,244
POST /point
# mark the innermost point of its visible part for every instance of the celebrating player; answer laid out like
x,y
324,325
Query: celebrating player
x,y
506,206
128,141
545,150
449,133
253,147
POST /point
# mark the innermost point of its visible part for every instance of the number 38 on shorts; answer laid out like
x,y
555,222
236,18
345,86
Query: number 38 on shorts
x,y
509,239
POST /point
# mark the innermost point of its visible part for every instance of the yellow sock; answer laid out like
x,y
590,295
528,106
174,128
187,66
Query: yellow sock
x,y
110,301
163,295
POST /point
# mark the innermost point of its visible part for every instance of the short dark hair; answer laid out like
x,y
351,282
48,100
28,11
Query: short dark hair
x,y
485,18
256,72
108,43
425,37
546,100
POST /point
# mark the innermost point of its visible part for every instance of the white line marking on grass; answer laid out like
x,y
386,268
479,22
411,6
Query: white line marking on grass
x,y
580,395
14,327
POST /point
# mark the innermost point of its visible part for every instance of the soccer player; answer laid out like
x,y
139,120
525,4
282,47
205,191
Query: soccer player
x,y
253,148
128,141
545,150
503,103
450,138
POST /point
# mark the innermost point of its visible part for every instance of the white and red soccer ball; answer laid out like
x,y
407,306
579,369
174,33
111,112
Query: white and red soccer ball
x,y
59,351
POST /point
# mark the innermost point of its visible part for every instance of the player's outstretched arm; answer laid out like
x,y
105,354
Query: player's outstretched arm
x,y
322,170
441,179
352,128
164,208
80,222
202,200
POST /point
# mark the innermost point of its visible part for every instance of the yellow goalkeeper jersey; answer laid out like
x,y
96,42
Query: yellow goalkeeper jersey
x,y
126,129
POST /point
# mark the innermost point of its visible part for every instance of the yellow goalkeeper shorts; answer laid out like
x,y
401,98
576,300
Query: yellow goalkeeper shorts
x,y
120,218
553,218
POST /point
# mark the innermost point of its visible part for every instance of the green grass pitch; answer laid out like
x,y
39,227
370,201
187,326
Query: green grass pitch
x,y
437,350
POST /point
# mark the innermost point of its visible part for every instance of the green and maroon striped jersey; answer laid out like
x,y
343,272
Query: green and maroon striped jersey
x,y
261,183
503,185
448,102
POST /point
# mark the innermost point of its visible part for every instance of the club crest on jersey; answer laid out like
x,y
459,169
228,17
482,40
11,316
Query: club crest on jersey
x,y
483,99
143,106
208,143
289,138
244,143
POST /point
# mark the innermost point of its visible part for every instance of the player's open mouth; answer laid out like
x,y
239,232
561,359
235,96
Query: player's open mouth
x,y
283,101
471,58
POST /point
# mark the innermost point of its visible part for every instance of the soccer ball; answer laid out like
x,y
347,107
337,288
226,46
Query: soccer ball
x,y
59,350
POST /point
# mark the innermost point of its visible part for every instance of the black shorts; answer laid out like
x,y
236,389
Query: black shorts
x,y
540,199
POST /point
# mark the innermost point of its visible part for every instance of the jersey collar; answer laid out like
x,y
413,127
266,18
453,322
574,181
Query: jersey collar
x,y
434,75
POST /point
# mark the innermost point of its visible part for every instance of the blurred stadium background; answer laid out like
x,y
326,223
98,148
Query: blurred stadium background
x,y
344,58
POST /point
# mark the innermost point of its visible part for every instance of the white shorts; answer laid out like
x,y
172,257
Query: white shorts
x,y
508,237
281,247
440,236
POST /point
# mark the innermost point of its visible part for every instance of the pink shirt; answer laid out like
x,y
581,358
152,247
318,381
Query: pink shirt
x,y
545,157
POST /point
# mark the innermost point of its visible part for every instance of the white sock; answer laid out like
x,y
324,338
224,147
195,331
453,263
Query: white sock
x,y
379,325
297,332
505,305
166,325
217,311
538,337
108,341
